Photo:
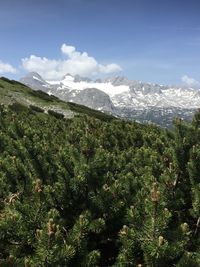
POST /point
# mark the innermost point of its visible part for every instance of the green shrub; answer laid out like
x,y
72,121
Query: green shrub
x,y
43,95
84,192
17,83
90,112
56,114
36,108
7,80
18,107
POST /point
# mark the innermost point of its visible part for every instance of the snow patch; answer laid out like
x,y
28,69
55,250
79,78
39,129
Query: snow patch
x,y
107,88
36,78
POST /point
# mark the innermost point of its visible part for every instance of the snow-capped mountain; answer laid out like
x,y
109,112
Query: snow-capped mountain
x,y
121,96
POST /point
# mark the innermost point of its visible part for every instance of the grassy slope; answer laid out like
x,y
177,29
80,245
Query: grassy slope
x,y
12,91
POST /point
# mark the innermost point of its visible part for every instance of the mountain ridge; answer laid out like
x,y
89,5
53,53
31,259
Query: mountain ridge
x,y
122,97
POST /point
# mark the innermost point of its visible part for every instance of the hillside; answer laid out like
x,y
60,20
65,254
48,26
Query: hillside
x,y
15,92
87,192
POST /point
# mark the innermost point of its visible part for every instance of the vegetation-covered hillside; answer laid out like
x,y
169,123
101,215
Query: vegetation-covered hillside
x,y
12,91
87,192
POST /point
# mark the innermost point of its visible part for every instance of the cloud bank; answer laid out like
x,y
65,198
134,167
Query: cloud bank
x,y
189,81
74,63
6,68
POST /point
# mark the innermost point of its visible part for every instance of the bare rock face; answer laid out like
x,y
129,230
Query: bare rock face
x,y
94,98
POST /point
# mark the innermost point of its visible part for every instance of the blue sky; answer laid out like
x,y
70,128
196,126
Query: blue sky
x,y
151,40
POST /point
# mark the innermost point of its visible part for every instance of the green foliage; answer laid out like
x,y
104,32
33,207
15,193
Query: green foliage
x,y
36,108
43,95
56,114
90,112
7,80
90,192
18,107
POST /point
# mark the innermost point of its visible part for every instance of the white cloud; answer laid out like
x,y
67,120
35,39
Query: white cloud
x,y
110,68
67,49
189,81
6,68
75,63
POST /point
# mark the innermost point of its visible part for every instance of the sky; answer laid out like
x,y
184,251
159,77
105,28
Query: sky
x,y
155,41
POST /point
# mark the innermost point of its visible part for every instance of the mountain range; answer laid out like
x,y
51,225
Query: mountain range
x,y
121,97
